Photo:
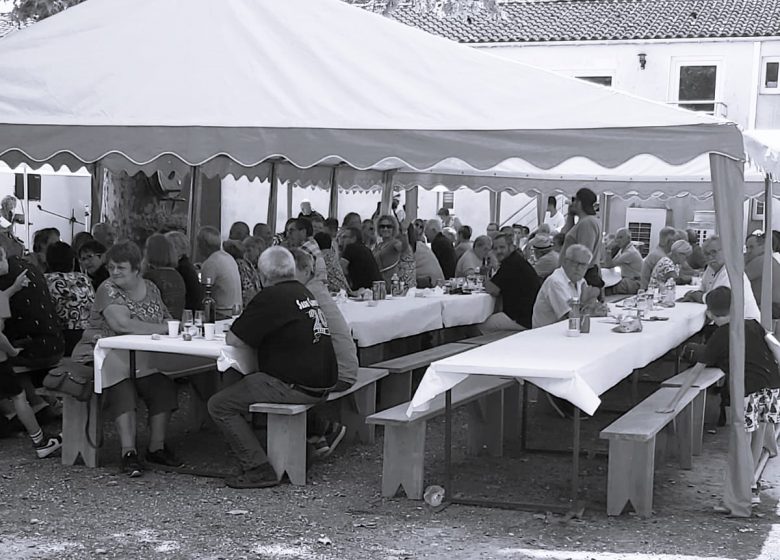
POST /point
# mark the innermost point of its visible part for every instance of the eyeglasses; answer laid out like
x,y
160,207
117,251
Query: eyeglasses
x,y
385,226
578,263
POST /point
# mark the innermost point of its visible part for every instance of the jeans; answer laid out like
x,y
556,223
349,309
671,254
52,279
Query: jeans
x,y
229,405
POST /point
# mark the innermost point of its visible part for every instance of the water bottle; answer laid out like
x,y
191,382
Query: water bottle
x,y
209,305
395,287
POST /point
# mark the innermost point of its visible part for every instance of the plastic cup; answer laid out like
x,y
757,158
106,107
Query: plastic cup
x,y
208,331
173,328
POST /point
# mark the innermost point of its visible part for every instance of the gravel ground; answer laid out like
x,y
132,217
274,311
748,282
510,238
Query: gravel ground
x,y
48,511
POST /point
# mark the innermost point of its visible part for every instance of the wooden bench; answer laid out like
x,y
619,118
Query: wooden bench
x,y
632,447
483,339
706,379
286,444
397,387
404,445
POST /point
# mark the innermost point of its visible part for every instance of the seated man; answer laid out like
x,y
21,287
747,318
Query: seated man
x,y
296,362
517,284
474,258
326,435
715,275
624,254
546,256
462,241
357,261
563,285
441,247
427,267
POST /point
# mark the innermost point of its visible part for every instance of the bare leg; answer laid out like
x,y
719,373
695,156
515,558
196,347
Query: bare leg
x,y
158,425
25,414
125,426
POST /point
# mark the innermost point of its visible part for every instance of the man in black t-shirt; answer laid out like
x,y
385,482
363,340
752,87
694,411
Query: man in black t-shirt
x,y
517,283
296,362
441,247
357,260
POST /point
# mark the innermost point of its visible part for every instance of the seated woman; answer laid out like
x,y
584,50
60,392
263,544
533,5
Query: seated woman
x,y
393,252
71,292
669,266
247,268
337,281
126,303
160,260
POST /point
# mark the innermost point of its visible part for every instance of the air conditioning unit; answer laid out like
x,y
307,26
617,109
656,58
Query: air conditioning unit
x,y
644,225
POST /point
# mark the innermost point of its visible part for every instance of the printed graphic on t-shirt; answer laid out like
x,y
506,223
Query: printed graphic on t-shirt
x,y
320,326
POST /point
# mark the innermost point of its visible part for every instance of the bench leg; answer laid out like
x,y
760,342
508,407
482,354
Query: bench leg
x,y
287,446
512,400
630,476
354,411
685,435
699,404
75,414
404,460
396,389
486,425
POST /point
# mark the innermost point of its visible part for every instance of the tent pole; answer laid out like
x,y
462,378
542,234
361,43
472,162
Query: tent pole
x,y
411,202
604,211
498,208
541,209
194,209
333,206
289,199
766,275
273,198
387,192
728,185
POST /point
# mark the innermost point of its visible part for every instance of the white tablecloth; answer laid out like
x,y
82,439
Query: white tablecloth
x,y
391,319
473,309
576,369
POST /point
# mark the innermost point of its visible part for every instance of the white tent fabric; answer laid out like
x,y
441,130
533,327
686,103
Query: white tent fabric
x,y
232,85
220,82
762,147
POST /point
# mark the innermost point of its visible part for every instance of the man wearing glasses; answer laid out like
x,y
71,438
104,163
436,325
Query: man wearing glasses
x,y
715,275
553,303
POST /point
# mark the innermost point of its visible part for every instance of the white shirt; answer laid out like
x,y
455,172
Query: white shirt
x,y
711,280
556,222
552,302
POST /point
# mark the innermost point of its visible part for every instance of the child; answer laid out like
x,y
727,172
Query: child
x,y
10,388
762,377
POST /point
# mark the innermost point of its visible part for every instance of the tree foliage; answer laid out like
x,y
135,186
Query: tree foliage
x,y
35,10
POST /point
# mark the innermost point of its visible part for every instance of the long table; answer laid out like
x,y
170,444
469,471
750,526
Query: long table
x,y
577,369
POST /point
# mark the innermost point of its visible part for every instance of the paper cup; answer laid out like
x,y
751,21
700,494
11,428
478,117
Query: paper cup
x,y
173,328
208,331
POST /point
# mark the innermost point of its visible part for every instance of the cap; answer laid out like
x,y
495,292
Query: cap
x,y
719,301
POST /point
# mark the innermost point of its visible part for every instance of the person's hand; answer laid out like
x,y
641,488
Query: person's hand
x,y
15,352
695,296
21,281
589,294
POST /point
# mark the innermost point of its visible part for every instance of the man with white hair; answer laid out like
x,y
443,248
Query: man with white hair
x,y
624,254
220,270
296,362
474,258
553,303
104,233
715,275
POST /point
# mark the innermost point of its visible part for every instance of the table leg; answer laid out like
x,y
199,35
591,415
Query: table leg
x,y
450,492
132,367
524,418
575,468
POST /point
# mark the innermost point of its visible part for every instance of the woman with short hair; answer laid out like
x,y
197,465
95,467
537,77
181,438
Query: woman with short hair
x,y
193,292
668,268
127,303
160,264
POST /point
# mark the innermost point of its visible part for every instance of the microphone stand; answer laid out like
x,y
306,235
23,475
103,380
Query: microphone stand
x,y
72,219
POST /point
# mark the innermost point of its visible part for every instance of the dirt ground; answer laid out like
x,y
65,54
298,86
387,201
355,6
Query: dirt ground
x,y
48,511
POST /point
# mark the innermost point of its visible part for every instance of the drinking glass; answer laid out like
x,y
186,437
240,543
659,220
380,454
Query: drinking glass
x,y
186,319
236,311
200,318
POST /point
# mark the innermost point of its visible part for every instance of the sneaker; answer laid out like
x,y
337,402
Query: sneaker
x,y
49,445
165,457
131,465
755,497
263,476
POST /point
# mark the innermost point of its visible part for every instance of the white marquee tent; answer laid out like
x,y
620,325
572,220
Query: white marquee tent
x,y
230,86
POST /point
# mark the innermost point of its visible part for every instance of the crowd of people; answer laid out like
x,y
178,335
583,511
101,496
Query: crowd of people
x,y
59,299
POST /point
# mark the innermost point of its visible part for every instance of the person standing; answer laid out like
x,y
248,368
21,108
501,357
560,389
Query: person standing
x,y
221,269
586,232
553,217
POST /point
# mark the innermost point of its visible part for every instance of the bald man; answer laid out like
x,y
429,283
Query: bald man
x,y
624,254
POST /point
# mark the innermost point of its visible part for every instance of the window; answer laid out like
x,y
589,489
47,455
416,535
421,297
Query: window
x,y
770,74
696,85
601,80
640,231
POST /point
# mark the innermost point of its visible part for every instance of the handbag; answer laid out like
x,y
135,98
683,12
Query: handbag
x,y
72,378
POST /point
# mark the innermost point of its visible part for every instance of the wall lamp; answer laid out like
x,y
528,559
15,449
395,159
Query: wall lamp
x,y
642,60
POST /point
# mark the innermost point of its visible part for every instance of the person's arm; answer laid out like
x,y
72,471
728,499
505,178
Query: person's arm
x,y
492,289
120,321
20,282
232,340
5,344
694,296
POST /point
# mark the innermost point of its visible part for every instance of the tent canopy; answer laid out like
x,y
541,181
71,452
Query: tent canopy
x,y
217,84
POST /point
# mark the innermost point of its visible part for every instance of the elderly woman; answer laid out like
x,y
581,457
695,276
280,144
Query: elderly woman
x,y
127,303
71,292
193,294
160,260
247,267
669,266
